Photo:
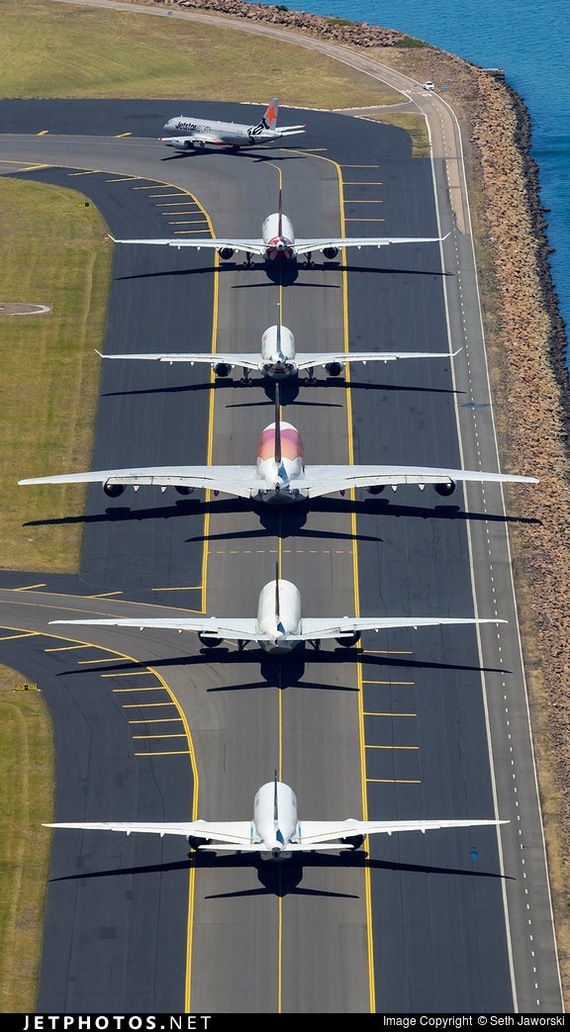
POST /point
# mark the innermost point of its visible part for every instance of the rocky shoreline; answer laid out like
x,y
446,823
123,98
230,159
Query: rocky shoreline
x,y
527,344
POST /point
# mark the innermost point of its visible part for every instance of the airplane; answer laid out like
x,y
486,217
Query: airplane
x,y
197,134
278,241
279,626
278,358
275,831
279,475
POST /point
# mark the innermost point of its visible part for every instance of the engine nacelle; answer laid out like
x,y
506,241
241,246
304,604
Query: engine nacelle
x,y
334,368
113,490
181,145
208,640
225,252
184,490
375,489
330,252
348,640
222,369
353,840
445,490
194,842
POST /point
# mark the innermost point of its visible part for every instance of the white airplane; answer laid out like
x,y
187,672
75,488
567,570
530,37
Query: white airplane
x,y
198,133
279,626
279,475
278,358
275,831
278,241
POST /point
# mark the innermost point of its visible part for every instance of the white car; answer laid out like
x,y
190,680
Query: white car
x,y
428,85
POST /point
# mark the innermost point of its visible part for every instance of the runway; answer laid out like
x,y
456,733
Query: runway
x,y
410,725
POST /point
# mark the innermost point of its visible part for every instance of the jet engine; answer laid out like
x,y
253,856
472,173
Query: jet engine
x,y
348,640
113,490
375,489
445,489
353,840
334,368
225,252
222,369
194,842
208,640
184,490
179,143
330,252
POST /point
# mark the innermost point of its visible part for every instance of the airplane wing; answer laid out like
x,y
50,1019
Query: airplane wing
x,y
306,360
313,833
247,246
240,481
211,358
322,480
319,244
321,627
234,834
229,628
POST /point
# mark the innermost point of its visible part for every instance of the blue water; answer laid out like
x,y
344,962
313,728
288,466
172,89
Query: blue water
x,y
531,42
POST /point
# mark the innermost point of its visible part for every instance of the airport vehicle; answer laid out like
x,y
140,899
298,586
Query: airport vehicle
x,y
279,626
279,475
278,241
275,831
278,358
192,133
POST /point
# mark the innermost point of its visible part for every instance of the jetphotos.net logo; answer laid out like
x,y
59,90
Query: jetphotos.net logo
x,y
116,1022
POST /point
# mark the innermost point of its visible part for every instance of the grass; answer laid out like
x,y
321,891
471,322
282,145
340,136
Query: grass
x,y
26,799
52,252
86,52
414,125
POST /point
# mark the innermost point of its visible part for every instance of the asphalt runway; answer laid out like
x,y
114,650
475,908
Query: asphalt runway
x,y
432,916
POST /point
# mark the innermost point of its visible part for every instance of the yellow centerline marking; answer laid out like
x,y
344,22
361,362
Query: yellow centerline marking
x,y
104,659
373,713
389,682
121,136
23,634
157,720
30,587
126,673
180,752
393,781
155,688
104,594
146,705
43,132
69,648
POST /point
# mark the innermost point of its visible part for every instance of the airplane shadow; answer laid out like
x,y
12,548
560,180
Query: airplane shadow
x,y
282,878
296,515
277,671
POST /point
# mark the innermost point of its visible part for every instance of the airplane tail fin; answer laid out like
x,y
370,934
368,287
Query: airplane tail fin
x,y
277,455
269,120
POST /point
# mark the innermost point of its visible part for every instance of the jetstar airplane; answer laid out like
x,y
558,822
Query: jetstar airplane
x,y
279,626
279,475
275,831
196,133
278,241
279,360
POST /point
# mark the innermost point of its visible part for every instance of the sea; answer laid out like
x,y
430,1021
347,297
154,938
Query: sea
x,y
530,41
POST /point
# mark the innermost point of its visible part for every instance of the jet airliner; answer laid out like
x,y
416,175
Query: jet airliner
x,y
279,626
278,241
278,358
198,133
275,830
279,475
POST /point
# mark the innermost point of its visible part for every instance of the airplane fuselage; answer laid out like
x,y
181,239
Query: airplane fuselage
x,y
277,477
216,134
275,818
278,353
278,236
279,618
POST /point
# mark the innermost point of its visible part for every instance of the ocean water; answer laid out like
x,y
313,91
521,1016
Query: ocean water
x,y
531,42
